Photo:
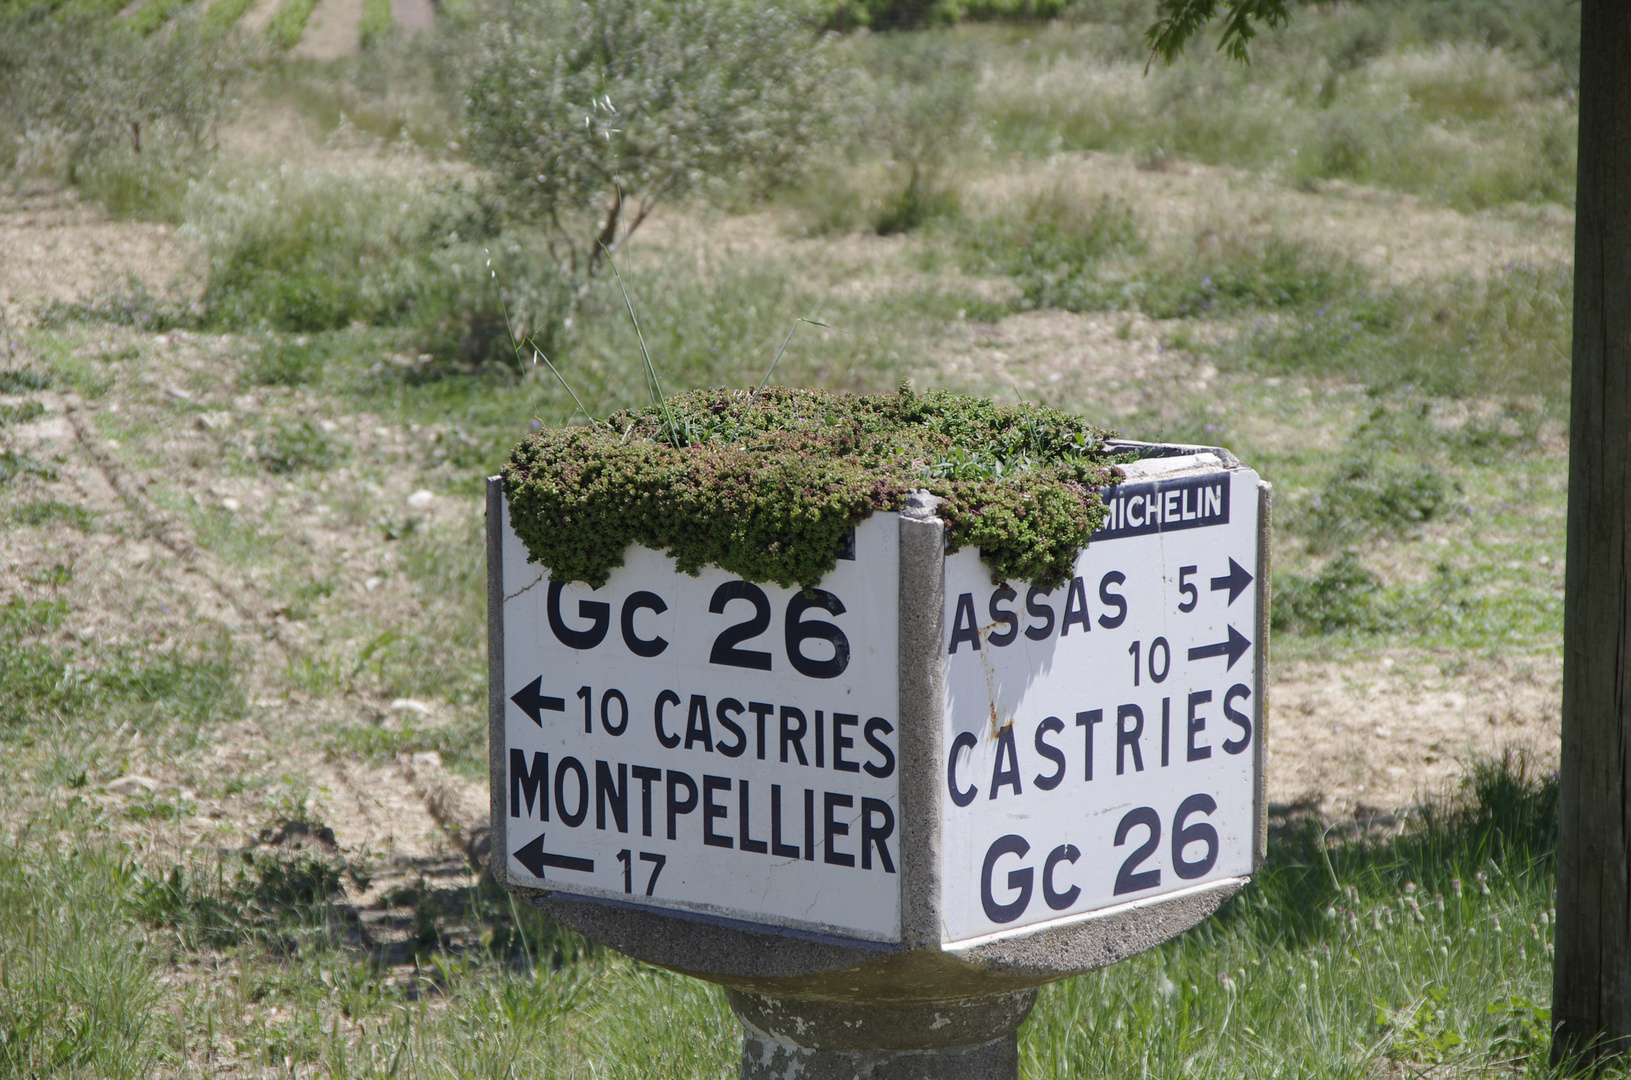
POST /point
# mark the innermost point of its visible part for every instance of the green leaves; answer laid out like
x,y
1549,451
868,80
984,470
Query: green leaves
x,y
1180,20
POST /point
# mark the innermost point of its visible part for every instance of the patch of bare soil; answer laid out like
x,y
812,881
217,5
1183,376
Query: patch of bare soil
x,y
414,15
54,248
1374,737
334,31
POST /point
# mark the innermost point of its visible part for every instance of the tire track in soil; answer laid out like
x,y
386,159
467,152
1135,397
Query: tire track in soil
x,y
391,810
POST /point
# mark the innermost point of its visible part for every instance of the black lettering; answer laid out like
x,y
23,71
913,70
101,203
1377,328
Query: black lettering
x,y
1057,900
1009,774
747,843
725,651
797,632
809,825
676,807
777,848
1197,724
646,774
622,724
832,827
1112,599
965,741
616,794
667,697
637,601
1018,880
1004,594
760,710
793,735
723,712
1040,611
1087,720
1051,725
529,783
711,810
597,612
874,730
873,837
820,740
697,728
963,625
1075,608
1128,737
842,742
1166,731
571,818
1238,718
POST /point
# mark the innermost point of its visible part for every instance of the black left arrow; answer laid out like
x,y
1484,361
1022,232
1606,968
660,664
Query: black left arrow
x,y
1234,648
1235,581
533,856
530,700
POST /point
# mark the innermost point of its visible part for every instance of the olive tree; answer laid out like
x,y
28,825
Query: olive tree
x,y
93,83
592,113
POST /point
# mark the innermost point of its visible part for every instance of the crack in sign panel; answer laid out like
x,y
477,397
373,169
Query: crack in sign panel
x,y
527,587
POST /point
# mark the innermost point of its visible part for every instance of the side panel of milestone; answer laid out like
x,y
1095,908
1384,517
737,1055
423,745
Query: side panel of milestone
x,y
1102,739
705,743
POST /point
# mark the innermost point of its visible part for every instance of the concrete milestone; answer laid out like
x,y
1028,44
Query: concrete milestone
x,y
883,811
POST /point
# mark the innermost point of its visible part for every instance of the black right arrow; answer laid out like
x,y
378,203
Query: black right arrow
x,y
535,858
1235,581
1234,648
531,701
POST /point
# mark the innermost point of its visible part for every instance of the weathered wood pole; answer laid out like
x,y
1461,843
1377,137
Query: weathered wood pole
x,y
1591,990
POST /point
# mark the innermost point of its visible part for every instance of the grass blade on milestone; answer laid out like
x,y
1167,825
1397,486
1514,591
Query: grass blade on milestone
x,y
651,371
785,342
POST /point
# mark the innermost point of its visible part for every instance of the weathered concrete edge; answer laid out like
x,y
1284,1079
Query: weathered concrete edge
x,y
1265,567
709,947
1099,939
922,688
499,851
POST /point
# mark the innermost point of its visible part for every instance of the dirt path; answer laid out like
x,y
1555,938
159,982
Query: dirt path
x,y
55,248
414,15
333,32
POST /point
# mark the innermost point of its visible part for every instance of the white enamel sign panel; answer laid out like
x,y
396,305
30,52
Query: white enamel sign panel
x,y
1100,737
706,743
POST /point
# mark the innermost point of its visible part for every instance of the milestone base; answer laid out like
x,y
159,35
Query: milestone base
x,y
767,1058
968,1039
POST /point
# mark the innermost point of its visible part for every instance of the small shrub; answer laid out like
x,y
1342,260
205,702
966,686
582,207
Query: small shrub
x,y
1060,253
1371,494
294,447
1342,596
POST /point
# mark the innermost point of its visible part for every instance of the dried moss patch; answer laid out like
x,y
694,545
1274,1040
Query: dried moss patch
x,y
768,485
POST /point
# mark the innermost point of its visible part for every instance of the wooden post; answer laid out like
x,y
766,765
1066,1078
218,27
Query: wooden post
x,y
1591,992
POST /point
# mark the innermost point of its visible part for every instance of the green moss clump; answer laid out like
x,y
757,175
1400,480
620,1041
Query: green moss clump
x,y
767,485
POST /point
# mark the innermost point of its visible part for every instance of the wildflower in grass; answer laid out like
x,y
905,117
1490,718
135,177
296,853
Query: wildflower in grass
x,y
1455,887
1438,900
1495,923
1409,887
1483,883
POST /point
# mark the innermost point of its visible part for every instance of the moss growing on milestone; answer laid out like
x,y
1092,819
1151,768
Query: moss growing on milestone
x,y
767,485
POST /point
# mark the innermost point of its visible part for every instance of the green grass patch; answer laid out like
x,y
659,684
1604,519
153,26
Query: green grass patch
x,y
1344,958
36,513
289,23
377,24
299,446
